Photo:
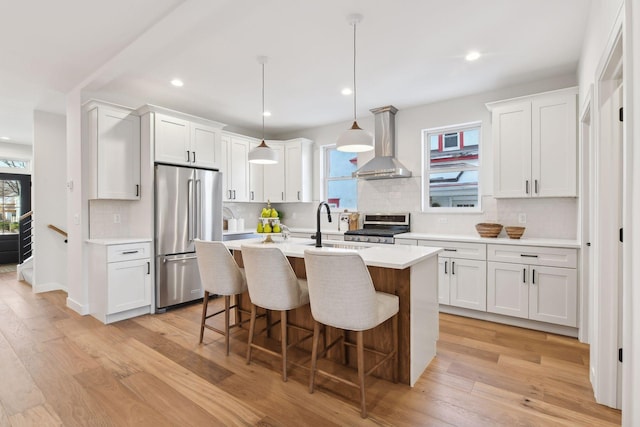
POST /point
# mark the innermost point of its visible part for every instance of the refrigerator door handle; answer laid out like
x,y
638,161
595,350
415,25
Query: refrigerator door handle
x,y
170,259
197,210
190,210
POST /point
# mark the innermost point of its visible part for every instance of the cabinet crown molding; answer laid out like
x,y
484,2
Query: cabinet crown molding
x,y
566,91
150,108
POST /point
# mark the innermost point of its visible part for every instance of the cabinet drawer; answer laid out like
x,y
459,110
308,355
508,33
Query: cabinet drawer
x,y
128,251
458,249
533,255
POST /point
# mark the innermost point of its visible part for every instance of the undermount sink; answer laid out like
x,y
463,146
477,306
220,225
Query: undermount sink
x,y
340,245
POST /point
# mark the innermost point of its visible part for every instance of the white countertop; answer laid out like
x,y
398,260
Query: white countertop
x,y
524,241
245,231
376,255
313,231
119,241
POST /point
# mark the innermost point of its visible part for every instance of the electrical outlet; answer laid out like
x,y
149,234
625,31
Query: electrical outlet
x,y
116,218
443,220
522,218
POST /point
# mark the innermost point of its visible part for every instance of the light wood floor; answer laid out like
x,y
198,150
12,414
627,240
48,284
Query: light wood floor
x,y
58,368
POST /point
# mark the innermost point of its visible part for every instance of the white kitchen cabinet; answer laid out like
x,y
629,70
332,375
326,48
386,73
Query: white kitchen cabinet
x,y
462,278
256,178
298,161
235,172
535,145
113,135
121,279
185,140
527,288
274,175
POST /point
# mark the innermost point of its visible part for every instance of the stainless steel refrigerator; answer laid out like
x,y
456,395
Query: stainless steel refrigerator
x,y
188,206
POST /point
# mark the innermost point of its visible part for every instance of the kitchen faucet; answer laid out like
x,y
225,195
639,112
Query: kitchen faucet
x,y
318,235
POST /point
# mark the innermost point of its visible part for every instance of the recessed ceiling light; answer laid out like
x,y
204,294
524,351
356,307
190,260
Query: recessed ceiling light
x,y
177,82
347,91
472,56
267,113
5,138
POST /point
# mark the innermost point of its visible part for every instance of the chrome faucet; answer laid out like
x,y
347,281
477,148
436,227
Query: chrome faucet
x,y
318,235
285,231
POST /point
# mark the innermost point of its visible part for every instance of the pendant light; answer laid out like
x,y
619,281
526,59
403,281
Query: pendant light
x,y
263,154
355,139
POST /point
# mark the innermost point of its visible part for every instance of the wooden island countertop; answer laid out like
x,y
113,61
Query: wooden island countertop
x,y
410,272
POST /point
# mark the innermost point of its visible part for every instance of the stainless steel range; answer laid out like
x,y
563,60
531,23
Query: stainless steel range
x,y
380,228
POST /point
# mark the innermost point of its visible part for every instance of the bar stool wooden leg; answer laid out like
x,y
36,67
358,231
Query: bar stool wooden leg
x,y
252,328
283,340
360,351
205,304
394,325
227,301
314,355
343,348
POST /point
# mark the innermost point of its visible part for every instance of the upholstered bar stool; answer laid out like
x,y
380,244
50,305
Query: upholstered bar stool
x,y
220,275
273,285
342,296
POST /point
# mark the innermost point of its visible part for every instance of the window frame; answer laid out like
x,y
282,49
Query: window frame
x,y
426,166
327,177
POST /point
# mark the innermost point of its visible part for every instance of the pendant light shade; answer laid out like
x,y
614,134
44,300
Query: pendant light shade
x,y
355,139
263,154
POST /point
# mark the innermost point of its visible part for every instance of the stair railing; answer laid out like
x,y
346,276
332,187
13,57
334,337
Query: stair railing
x,y
25,236
59,231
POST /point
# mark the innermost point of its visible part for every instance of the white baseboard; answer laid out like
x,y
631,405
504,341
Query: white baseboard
x,y
47,287
82,309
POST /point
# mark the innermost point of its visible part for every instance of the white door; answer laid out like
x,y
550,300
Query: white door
x,y
511,128
205,149
129,285
118,173
274,176
172,140
553,146
553,293
468,284
444,265
293,172
508,289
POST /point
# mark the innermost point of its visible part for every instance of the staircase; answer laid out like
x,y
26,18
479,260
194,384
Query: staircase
x,y
25,270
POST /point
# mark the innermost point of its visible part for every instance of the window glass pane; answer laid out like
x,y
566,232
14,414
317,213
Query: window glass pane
x,y
454,149
9,206
343,193
13,164
453,189
341,163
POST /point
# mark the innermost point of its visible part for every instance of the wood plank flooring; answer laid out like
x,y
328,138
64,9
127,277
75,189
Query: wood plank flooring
x,y
59,368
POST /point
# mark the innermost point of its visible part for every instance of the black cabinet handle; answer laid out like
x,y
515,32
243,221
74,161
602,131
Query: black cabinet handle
x,y
453,267
533,276
129,252
535,183
188,156
148,267
194,156
298,195
445,267
529,256
524,275
251,192
137,190
450,250
527,186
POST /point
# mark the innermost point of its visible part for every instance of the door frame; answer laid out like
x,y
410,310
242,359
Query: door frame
x,y
25,200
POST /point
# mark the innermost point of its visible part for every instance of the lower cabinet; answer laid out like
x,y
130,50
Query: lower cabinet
x,y
462,283
547,294
120,285
534,283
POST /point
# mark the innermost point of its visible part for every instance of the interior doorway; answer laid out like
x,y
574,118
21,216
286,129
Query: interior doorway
x,y
15,200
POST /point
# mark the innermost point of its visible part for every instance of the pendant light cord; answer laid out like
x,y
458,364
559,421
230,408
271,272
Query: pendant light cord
x,y
263,101
354,71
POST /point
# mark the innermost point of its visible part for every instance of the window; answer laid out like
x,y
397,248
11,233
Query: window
x,y
15,166
9,206
451,171
340,188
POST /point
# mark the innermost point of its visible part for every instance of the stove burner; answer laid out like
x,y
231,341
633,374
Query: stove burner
x,y
379,228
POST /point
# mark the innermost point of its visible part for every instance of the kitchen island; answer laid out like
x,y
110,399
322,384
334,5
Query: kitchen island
x,y
410,272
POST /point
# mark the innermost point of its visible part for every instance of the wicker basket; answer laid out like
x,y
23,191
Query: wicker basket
x,y
487,229
514,232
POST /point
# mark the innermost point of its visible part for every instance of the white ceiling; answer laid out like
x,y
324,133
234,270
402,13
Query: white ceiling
x,y
410,52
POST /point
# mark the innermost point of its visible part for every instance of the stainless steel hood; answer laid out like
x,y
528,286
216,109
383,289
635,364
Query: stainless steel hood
x,y
384,165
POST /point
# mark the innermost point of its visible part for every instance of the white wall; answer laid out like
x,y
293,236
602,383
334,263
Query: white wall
x,y
555,218
49,201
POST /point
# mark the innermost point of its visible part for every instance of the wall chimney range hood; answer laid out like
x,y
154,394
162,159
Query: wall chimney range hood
x,y
384,165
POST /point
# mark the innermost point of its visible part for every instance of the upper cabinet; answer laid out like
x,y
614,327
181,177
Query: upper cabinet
x,y
298,161
235,167
113,135
535,145
181,139
274,175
